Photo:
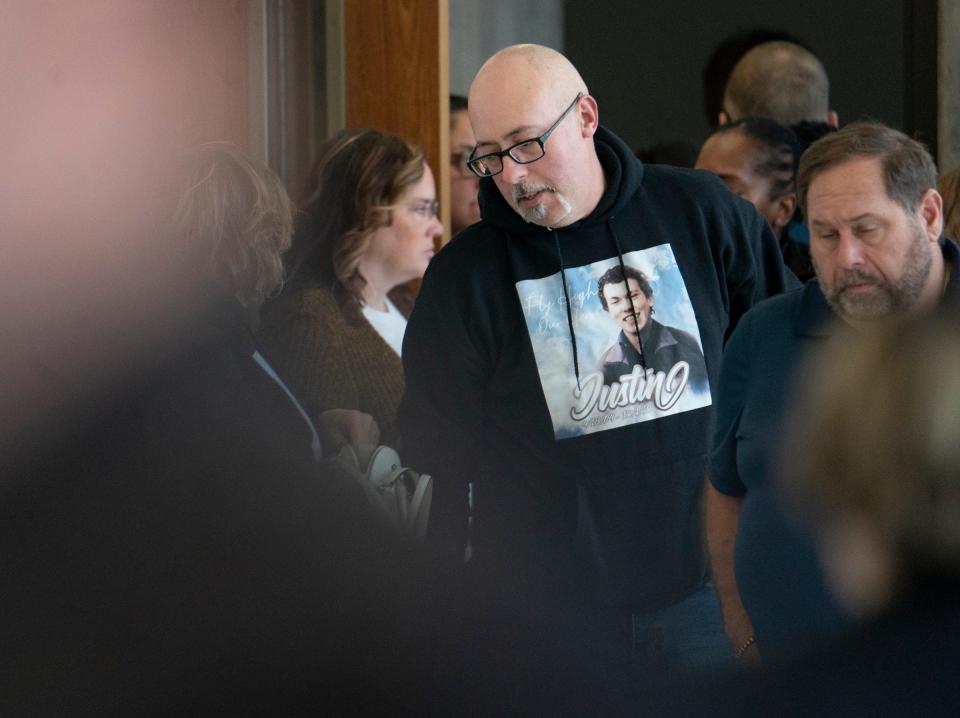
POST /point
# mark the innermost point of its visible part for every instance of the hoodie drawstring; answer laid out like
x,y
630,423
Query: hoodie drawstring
x,y
566,298
566,302
626,284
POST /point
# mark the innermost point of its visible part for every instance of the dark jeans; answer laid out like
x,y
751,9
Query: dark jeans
x,y
685,637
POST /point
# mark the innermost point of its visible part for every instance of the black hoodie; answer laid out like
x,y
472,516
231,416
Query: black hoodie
x,y
563,466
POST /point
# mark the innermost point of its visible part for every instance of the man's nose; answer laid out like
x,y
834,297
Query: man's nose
x,y
849,250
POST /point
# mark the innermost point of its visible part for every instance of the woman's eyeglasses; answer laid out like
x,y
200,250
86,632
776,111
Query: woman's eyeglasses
x,y
427,208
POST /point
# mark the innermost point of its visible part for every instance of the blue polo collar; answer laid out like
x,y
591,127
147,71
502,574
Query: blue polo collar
x,y
814,317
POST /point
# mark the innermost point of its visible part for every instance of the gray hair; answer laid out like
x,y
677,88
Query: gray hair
x,y
235,219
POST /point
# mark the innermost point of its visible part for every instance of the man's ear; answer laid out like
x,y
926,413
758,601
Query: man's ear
x,y
722,118
589,115
930,213
833,119
785,208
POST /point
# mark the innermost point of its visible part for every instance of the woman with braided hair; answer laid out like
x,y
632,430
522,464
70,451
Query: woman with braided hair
x,y
757,159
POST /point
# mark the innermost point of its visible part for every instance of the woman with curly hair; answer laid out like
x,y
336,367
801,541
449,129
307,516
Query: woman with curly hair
x,y
369,227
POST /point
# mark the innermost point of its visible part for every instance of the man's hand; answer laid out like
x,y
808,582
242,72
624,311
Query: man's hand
x,y
339,427
722,515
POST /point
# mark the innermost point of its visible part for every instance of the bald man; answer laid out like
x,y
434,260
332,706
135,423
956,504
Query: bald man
x,y
584,490
781,81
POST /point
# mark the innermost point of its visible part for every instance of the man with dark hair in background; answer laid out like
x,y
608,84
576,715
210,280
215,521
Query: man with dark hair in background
x,y
464,184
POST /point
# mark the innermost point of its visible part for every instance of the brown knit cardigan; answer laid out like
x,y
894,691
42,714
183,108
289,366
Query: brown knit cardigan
x,y
332,358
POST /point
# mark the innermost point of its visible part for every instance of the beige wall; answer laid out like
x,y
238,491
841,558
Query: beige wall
x,y
949,86
98,97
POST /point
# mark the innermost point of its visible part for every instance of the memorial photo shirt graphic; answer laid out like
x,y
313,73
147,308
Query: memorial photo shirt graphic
x,y
638,343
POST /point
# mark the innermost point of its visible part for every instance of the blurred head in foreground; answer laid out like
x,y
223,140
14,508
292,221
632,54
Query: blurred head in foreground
x,y
881,460
233,221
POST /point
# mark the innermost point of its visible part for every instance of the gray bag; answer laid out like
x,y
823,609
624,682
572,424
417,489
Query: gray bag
x,y
398,493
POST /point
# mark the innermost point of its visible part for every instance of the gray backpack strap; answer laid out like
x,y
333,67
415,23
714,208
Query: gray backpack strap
x,y
269,371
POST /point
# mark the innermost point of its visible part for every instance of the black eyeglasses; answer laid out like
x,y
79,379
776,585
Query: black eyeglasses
x,y
523,153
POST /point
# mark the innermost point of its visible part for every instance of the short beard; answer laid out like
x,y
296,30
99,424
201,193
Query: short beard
x,y
538,213
891,298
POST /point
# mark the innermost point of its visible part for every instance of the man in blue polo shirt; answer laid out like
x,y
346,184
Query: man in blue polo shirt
x,y
875,218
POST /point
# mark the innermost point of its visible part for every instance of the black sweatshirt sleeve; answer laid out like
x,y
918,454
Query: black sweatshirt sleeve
x,y
441,415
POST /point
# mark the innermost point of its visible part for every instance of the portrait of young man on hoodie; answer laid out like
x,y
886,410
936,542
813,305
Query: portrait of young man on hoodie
x,y
626,295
